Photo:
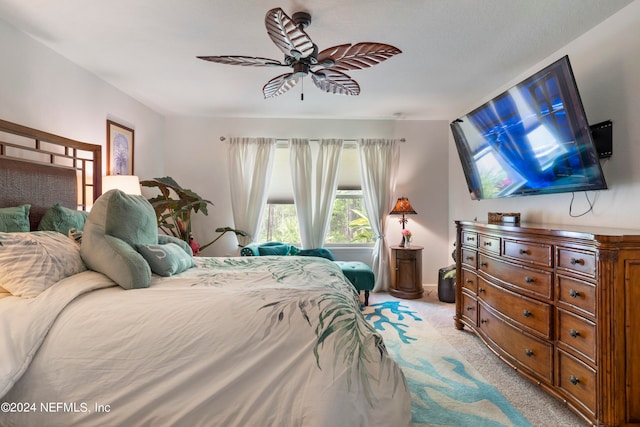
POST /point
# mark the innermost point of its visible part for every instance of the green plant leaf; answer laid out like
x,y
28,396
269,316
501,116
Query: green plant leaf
x,y
173,208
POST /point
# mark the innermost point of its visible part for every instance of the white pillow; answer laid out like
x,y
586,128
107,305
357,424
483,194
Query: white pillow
x,y
32,262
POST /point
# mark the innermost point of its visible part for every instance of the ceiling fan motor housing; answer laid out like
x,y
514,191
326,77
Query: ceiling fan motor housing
x,y
300,69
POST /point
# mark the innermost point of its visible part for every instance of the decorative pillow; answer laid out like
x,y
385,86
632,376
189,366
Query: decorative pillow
x,y
166,260
117,224
318,252
61,219
32,262
273,250
293,250
15,219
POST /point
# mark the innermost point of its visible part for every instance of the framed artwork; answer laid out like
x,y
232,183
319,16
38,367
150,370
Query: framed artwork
x,y
119,149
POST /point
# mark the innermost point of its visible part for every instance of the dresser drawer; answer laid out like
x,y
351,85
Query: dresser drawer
x,y
577,333
469,308
532,253
470,238
577,380
470,281
470,258
532,353
537,282
532,315
405,254
577,261
576,294
489,243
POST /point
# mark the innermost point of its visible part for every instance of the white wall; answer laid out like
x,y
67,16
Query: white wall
x,y
196,158
43,90
606,64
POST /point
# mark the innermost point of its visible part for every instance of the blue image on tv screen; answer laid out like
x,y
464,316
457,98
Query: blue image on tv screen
x,y
532,139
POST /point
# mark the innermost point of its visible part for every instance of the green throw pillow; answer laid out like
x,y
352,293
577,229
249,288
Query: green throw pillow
x,y
116,225
318,252
273,250
61,219
166,260
15,219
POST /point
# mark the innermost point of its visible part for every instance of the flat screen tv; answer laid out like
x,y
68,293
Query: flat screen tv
x,y
532,139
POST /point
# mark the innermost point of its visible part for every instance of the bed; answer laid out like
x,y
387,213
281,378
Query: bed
x,y
268,341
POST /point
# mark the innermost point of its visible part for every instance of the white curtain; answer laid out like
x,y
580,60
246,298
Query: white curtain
x,y
379,160
250,162
314,187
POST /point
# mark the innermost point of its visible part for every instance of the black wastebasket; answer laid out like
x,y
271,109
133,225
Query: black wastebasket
x,y
447,285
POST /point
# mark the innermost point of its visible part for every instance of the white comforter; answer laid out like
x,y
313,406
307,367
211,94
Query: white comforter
x,y
255,341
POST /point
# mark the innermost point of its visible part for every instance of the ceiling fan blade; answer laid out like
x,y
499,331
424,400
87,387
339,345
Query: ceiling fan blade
x,y
333,81
242,60
357,56
279,85
290,39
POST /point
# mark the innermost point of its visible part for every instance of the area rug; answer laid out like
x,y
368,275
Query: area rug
x,y
445,389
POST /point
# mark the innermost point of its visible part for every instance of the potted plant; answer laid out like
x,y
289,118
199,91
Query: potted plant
x,y
447,282
174,206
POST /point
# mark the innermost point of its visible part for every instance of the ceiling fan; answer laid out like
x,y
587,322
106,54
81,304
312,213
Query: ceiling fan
x,y
301,54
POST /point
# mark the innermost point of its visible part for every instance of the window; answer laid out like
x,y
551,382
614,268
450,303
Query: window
x,y
349,223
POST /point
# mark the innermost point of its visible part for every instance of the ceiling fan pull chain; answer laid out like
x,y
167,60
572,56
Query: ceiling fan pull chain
x,y
301,89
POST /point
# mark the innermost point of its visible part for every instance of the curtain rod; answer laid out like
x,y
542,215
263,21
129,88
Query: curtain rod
x,y
222,138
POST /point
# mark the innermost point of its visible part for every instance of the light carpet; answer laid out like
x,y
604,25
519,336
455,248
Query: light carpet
x,y
446,390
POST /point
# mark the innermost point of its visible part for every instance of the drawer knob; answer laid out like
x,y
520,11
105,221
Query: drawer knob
x,y
469,308
528,279
574,333
526,313
574,380
578,261
524,252
573,293
468,281
487,243
480,290
483,320
483,264
528,352
469,258
470,239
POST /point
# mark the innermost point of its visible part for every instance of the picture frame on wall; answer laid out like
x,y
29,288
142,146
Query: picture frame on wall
x,y
120,140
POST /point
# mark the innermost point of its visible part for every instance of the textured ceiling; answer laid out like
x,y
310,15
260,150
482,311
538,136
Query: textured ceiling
x,y
455,52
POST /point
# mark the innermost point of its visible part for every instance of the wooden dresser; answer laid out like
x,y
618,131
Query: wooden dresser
x,y
557,305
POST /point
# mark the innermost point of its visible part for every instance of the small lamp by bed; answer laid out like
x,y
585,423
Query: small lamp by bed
x,y
129,184
403,207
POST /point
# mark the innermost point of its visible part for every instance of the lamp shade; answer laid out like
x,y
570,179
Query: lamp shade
x,y
129,184
403,207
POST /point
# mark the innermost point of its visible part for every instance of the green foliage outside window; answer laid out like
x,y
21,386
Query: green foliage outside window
x,y
349,224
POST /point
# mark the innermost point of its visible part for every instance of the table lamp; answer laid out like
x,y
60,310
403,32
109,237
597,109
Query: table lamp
x,y
403,207
129,184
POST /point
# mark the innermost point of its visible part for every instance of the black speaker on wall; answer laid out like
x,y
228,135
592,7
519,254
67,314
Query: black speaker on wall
x,y
602,134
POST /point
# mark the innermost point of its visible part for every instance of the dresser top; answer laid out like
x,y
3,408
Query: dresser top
x,y
562,230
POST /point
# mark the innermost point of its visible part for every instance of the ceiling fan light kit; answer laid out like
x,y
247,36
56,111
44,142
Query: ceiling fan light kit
x,y
301,54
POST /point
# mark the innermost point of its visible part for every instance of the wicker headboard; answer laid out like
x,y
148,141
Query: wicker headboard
x,y
42,169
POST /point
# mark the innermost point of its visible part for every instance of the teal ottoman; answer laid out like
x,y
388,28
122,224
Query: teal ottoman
x,y
360,276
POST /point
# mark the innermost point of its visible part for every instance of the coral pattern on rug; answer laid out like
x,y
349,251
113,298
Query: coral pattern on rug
x,y
445,390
